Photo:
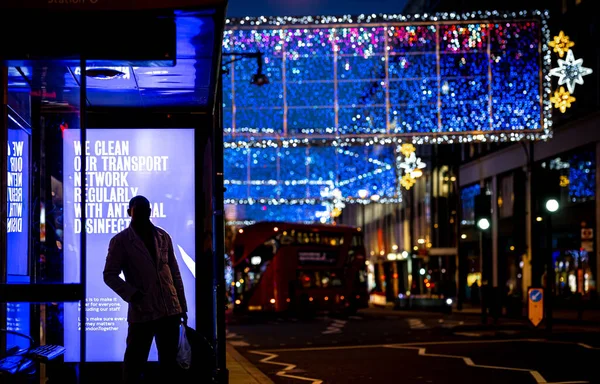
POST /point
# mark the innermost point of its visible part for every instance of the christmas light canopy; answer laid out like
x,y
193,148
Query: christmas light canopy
x,y
432,78
349,98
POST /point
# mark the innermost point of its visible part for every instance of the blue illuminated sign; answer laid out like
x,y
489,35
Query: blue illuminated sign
x,y
123,163
17,202
536,295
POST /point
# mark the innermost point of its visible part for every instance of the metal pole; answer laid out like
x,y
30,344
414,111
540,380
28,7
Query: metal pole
x,y
3,197
461,257
549,276
363,218
219,242
494,232
83,238
482,296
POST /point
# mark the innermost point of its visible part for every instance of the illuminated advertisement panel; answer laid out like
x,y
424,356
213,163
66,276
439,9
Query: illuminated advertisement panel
x,y
17,228
123,163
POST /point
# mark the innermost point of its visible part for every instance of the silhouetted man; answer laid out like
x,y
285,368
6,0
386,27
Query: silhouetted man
x,y
152,287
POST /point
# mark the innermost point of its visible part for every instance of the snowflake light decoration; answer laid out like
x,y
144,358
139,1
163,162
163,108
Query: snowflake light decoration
x,y
561,44
333,202
570,71
411,165
562,99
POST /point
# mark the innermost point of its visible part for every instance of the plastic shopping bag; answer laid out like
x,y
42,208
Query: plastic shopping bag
x,y
184,354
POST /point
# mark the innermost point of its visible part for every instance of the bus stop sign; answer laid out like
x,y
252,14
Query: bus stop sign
x,y
536,305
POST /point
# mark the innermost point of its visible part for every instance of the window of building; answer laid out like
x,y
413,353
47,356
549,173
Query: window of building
x,y
467,198
577,175
506,196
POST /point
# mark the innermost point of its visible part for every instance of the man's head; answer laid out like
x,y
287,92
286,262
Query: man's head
x,y
139,209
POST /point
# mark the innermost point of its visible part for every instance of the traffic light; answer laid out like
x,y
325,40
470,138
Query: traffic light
x,y
483,211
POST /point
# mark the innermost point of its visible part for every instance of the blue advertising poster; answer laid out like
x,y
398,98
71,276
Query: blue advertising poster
x,y
17,236
17,198
123,163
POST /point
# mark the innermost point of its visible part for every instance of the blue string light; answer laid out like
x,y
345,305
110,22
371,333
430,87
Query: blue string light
x,y
345,91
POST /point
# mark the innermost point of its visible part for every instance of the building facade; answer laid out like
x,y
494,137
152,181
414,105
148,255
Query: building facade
x,y
432,237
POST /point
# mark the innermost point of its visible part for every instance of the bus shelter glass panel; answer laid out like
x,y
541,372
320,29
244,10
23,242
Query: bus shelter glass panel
x,y
123,163
40,107
83,169
24,336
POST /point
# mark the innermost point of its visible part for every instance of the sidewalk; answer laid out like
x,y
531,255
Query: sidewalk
x,y
589,316
241,371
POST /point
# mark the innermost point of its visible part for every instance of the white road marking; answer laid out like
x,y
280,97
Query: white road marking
x,y
335,327
451,324
287,367
239,343
468,334
586,346
232,335
370,346
422,351
416,324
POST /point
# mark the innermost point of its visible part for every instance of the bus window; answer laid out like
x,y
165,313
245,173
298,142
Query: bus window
x,y
311,238
357,241
320,279
361,278
251,269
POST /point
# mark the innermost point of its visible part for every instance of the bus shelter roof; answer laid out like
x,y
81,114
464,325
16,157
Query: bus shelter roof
x,y
139,54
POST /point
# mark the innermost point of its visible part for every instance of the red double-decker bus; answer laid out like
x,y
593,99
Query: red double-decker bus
x,y
298,267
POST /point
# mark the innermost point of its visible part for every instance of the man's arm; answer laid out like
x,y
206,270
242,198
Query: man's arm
x,y
174,267
112,270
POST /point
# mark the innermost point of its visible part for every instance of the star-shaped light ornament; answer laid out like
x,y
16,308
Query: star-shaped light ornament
x,y
411,165
570,71
561,44
407,181
407,149
562,99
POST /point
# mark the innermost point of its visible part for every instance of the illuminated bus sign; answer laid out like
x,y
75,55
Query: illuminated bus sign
x,y
317,257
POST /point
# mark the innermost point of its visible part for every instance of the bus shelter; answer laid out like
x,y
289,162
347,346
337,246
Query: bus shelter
x,y
104,100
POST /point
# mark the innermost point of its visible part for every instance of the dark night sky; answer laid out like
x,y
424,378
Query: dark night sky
x,y
239,8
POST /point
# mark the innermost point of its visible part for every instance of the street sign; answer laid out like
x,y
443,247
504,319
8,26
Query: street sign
x,y
536,305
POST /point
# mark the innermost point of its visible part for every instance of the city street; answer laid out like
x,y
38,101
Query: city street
x,y
385,346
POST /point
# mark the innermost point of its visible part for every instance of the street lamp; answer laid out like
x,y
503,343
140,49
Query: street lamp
x,y
552,206
483,224
258,78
